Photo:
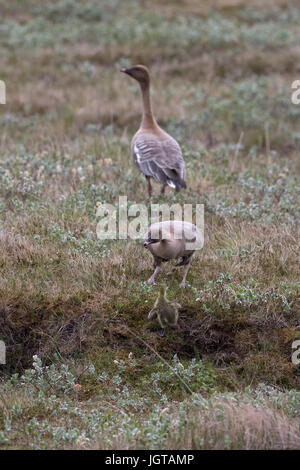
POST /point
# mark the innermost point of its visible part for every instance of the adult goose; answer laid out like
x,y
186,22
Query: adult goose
x,y
172,239
155,152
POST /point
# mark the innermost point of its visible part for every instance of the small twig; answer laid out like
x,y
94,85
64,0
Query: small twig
x,y
82,372
113,406
161,358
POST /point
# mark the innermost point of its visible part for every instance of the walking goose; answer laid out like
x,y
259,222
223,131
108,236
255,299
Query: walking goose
x,y
155,152
166,312
172,239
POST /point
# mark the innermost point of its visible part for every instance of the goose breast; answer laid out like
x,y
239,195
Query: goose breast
x,y
177,238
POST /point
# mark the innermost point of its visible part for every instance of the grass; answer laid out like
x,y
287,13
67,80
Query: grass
x,y
222,74
47,405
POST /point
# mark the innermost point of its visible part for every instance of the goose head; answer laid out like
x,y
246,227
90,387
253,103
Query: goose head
x,y
151,241
139,73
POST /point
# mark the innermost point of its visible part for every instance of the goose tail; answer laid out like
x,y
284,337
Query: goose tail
x,y
177,184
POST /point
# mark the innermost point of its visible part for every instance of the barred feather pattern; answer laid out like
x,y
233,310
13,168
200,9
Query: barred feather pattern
x,y
159,158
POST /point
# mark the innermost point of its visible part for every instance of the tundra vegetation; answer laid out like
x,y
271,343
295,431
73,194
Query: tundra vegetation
x,y
84,367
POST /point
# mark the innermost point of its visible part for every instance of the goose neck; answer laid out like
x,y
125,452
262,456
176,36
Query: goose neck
x,y
148,120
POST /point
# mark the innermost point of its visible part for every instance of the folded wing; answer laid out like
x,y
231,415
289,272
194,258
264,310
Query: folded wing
x,y
159,158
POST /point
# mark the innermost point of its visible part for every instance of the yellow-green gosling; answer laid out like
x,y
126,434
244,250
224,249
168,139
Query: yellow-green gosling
x,y
165,311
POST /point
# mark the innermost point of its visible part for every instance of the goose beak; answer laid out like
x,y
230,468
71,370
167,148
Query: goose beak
x,y
127,71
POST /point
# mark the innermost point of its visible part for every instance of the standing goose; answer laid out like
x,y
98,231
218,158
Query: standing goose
x,y
172,239
155,152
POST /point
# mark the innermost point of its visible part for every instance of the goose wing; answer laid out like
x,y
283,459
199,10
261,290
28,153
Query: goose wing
x,y
160,158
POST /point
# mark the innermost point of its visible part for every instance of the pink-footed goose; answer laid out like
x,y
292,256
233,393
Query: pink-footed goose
x,y
155,152
172,239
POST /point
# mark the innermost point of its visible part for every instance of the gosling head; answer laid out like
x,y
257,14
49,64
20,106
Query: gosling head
x,y
139,73
162,291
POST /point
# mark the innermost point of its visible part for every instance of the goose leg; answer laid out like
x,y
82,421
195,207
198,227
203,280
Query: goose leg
x,y
162,191
151,280
149,187
186,268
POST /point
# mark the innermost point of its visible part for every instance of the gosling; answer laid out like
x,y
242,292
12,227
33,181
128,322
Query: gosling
x,y
166,312
172,239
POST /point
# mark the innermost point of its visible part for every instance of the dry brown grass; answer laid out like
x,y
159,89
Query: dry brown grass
x,y
245,427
